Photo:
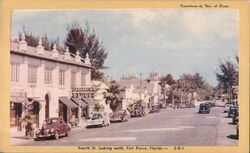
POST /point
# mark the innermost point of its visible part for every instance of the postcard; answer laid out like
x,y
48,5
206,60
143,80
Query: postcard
x,y
124,76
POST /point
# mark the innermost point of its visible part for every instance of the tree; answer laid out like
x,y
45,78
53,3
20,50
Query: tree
x,y
78,39
32,40
227,75
113,96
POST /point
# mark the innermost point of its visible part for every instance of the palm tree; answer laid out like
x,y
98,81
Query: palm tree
x,y
113,96
227,77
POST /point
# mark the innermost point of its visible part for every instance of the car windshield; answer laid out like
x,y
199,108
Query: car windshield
x,y
96,116
51,121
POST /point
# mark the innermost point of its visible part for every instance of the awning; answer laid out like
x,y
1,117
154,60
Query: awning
x,y
89,101
68,102
79,101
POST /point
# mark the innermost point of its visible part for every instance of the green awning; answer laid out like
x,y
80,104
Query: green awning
x,y
89,101
68,102
79,101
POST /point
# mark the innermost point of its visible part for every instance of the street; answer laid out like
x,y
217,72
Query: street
x,y
179,127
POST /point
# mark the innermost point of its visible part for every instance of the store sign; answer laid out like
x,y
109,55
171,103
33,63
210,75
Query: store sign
x,y
18,97
83,92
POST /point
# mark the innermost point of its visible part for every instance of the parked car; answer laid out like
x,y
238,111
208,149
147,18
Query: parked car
x,y
232,111
204,107
162,106
121,115
235,118
138,111
227,106
154,109
237,131
98,119
53,127
211,103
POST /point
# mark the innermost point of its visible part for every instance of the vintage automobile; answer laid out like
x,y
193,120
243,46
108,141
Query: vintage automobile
x,y
121,115
237,131
204,107
232,111
138,111
53,127
211,103
98,119
227,106
235,118
154,109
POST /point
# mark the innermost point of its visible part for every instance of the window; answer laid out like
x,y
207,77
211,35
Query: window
x,y
48,76
32,74
62,77
73,79
14,72
82,79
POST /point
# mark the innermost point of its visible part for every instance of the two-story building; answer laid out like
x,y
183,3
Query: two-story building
x,y
42,83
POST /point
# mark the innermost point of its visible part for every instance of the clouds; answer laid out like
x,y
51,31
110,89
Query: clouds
x,y
141,40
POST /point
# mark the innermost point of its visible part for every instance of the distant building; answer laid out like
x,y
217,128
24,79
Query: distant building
x,y
134,89
48,83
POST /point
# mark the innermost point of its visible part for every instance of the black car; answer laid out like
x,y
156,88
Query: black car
x,y
138,112
235,118
154,109
211,103
204,107
232,111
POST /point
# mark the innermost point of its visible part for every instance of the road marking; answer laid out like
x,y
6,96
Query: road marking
x,y
185,127
109,139
157,129
210,116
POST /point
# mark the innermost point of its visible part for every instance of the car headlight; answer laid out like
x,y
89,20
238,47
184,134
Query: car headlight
x,y
38,131
52,130
47,130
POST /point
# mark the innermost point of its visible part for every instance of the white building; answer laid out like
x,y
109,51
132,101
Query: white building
x,y
99,96
134,89
42,82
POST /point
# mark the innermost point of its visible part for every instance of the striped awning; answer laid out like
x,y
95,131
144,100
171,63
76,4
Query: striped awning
x,y
80,101
68,102
89,101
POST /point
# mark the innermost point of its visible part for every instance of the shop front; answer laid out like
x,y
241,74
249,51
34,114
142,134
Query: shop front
x,y
17,101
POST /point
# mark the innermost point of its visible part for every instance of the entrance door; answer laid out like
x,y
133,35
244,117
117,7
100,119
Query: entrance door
x,y
46,106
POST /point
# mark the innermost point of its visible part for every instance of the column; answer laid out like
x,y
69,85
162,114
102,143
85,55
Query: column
x,y
41,113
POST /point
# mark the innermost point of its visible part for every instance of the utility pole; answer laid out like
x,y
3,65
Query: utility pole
x,y
140,85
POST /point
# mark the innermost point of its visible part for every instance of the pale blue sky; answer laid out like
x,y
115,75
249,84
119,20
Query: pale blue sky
x,y
172,41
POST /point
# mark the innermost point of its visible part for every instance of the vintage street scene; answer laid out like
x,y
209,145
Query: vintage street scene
x,y
158,77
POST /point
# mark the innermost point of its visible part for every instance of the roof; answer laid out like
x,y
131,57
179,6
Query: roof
x,y
31,51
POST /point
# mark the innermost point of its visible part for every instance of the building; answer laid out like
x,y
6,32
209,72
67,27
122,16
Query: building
x,y
134,89
48,83
101,90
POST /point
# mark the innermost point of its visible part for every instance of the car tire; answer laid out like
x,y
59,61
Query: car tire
x,y
67,133
36,139
56,135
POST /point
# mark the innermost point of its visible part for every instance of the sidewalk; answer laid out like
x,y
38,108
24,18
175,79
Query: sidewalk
x,y
19,138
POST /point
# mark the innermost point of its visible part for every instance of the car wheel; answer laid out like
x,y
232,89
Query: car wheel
x,y
56,136
36,139
67,133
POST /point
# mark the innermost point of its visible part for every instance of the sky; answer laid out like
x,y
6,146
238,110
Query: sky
x,y
138,41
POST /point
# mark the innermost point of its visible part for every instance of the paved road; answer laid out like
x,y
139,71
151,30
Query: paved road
x,y
180,127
